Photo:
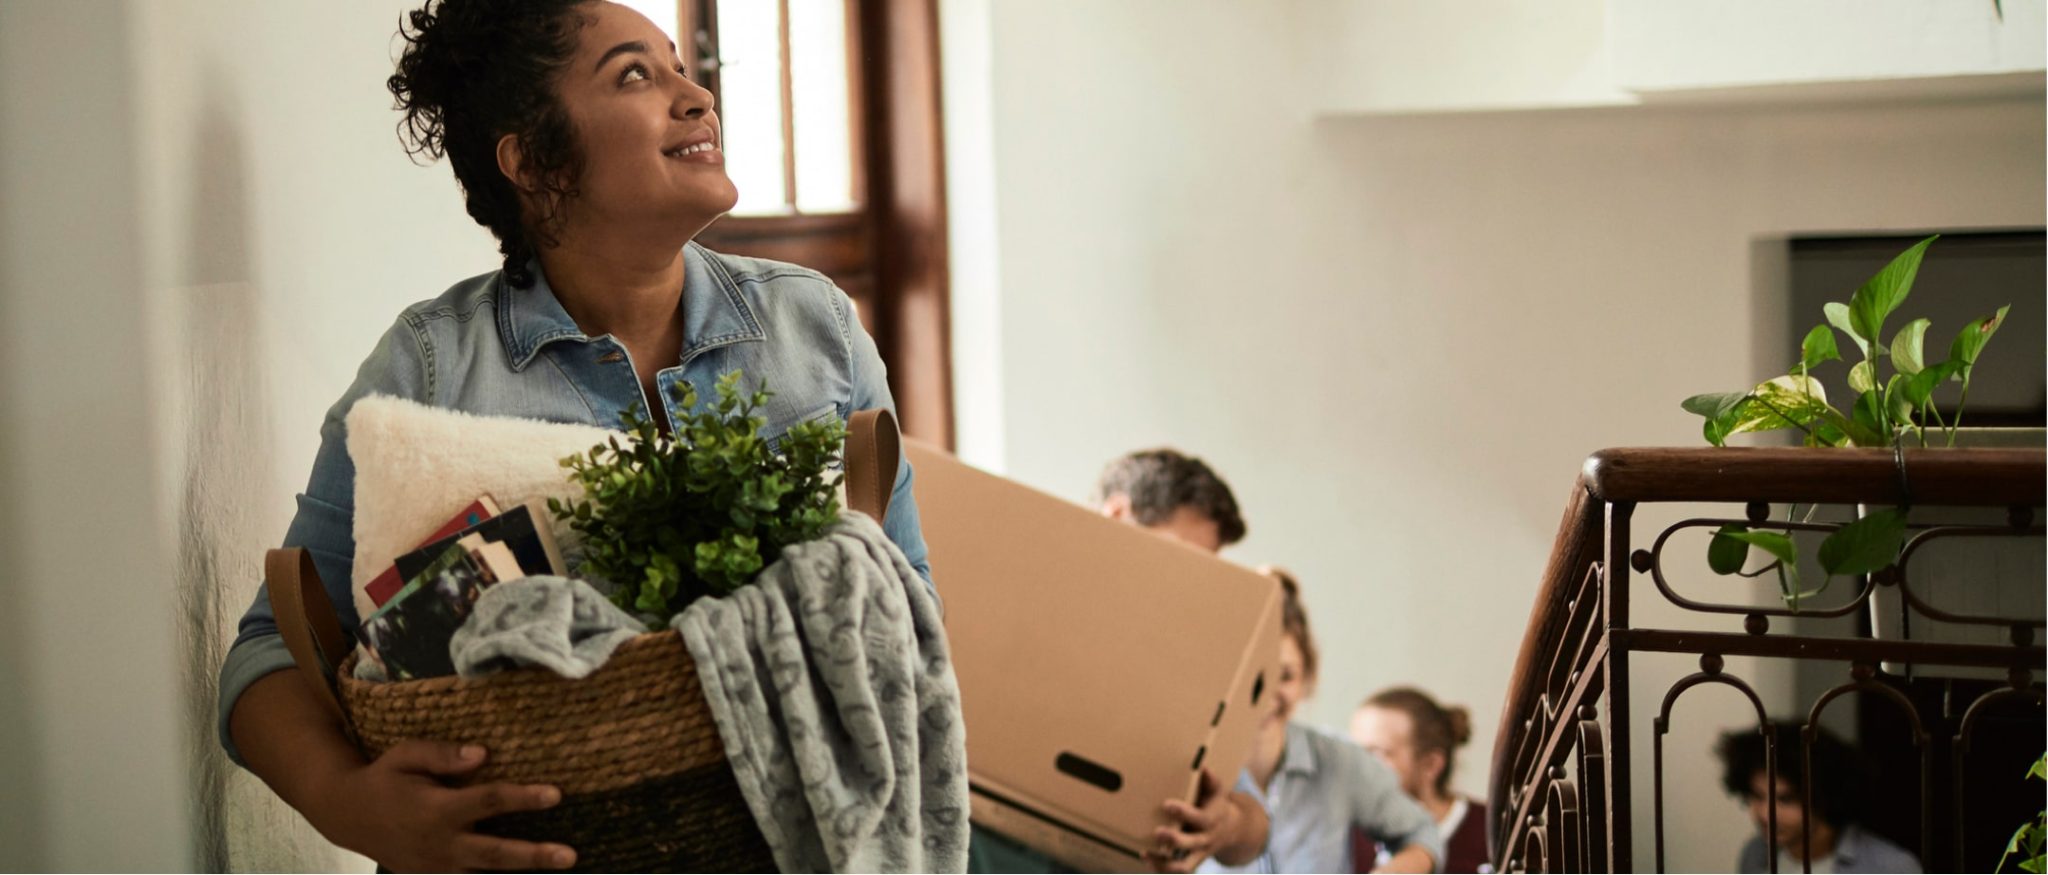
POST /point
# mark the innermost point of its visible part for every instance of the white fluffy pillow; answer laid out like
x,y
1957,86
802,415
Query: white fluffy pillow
x,y
417,466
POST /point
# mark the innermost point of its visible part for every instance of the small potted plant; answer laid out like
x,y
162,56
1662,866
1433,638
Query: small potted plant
x,y
669,519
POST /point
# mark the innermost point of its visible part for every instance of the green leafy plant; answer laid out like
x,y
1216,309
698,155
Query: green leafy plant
x,y
2028,840
1887,411
667,520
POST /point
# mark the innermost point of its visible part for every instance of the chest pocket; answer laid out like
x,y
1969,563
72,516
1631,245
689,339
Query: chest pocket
x,y
780,425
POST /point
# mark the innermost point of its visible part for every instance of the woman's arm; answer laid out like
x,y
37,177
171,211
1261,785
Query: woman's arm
x,y
871,391
1380,808
1413,858
401,809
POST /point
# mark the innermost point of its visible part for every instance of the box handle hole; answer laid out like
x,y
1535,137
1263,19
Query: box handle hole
x,y
1090,771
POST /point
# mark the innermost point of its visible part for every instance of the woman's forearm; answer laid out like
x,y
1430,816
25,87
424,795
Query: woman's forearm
x,y
291,741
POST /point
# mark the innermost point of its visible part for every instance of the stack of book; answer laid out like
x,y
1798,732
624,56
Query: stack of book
x,y
427,594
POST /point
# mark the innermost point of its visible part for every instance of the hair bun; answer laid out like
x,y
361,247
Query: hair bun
x,y
1461,724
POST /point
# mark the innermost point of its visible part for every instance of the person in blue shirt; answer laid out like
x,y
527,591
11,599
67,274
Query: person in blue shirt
x,y
1317,787
579,141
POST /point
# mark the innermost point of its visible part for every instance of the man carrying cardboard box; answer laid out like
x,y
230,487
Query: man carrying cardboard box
x,y
1176,496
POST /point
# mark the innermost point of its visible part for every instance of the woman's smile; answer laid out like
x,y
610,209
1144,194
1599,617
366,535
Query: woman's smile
x,y
699,149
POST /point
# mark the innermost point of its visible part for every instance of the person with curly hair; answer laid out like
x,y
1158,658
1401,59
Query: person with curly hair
x,y
580,142
1834,839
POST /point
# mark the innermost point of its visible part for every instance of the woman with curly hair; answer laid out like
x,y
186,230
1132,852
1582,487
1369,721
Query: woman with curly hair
x,y
581,143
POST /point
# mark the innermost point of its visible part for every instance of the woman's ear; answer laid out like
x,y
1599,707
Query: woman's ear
x,y
512,163
1117,507
1432,765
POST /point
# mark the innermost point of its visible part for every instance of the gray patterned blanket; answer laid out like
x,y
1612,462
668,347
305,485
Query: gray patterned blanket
x,y
833,691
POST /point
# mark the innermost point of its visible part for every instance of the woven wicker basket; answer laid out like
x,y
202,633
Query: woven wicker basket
x,y
645,783
644,779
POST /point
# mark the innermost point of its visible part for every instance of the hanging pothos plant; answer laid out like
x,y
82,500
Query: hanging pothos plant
x,y
1896,387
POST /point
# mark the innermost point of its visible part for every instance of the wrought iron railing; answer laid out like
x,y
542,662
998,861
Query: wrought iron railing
x,y
1561,780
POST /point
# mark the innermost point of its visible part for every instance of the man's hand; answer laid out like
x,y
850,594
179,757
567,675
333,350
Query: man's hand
x,y
1231,827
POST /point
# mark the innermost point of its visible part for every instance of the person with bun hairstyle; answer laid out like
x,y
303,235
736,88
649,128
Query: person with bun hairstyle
x,y
1419,739
1318,788
580,142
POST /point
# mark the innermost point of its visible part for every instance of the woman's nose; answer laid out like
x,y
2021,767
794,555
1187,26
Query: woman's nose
x,y
692,101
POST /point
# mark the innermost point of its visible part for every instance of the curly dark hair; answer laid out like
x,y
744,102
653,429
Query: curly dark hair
x,y
1840,783
1160,481
473,71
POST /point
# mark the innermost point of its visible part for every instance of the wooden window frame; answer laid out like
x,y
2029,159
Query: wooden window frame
x,y
889,252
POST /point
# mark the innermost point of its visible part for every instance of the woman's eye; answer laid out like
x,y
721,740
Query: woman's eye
x,y
682,72
633,73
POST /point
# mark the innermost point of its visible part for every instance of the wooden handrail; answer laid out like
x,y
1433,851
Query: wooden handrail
x,y
1578,544
1979,477
1982,477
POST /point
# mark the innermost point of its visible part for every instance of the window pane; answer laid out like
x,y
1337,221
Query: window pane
x,y
819,91
750,75
661,12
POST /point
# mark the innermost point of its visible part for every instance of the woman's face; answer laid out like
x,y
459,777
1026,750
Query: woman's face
x,y
1389,733
649,138
1294,686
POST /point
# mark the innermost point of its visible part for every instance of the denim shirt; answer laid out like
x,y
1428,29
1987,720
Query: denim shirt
x,y
488,348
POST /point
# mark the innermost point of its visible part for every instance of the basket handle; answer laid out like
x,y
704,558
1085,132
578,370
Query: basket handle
x,y
873,449
305,617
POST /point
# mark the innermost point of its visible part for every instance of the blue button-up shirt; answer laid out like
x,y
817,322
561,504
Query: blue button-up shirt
x,y
1323,786
486,347
1856,850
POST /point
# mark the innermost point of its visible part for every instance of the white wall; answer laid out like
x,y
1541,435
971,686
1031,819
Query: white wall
x,y
1407,56
1666,46
1398,56
1399,337
89,757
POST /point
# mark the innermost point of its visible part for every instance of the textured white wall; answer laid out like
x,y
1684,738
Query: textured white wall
x,y
1399,337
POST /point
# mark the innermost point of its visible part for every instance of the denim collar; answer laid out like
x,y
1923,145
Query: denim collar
x,y
714,312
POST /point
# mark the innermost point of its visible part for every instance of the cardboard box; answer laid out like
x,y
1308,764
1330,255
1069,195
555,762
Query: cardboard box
x,y
1101,666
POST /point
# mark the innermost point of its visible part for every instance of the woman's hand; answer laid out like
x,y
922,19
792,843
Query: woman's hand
x,y
400,811
1409,859
1229,826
